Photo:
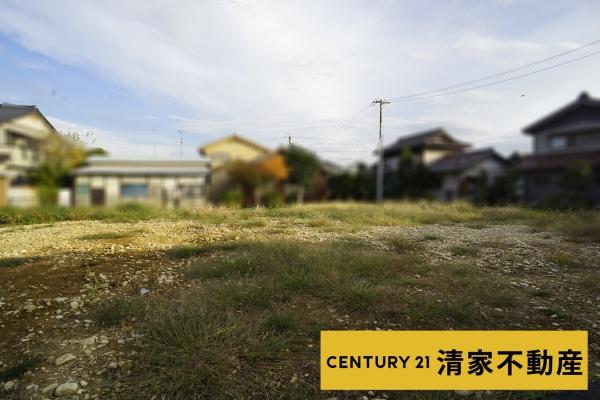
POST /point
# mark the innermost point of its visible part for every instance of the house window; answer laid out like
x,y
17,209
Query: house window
x,y
558,142
83,189
191,191
134,190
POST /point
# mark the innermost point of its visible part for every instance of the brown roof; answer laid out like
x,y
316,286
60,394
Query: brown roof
x,y
558,161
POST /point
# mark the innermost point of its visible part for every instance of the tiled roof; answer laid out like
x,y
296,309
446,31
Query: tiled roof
x,y
11,111
584,101
463,161
425,138
558,160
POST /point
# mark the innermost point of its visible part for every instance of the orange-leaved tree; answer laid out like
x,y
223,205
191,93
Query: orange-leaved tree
x,y
253,175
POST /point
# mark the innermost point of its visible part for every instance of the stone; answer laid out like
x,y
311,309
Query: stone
x,y
74,305
50,388
30,307
83,384
10,386
89,341
65,358
66,389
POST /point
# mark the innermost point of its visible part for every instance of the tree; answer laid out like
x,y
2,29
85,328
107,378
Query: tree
x,y
304,166
252,175
412,178
60,154
575,183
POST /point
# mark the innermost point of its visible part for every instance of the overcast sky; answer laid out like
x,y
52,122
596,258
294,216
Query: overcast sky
x,y
266,69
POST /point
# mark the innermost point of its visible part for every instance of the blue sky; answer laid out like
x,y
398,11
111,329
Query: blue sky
x,y
266,69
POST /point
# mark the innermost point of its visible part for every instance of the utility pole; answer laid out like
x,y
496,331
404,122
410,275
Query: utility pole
x,y
181,142
379,194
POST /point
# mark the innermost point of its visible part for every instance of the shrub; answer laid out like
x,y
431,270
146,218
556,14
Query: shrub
x,y
233,198
272,200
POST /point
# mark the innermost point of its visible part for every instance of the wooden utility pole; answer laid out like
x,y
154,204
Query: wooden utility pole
x,y
379,194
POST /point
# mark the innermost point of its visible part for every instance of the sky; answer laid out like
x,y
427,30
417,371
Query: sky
x,y
135,73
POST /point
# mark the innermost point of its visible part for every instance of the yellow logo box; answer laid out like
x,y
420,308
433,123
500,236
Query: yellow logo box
x,y
453,360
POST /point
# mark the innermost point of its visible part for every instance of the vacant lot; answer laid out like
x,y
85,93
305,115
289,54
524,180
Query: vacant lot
x,y
228,304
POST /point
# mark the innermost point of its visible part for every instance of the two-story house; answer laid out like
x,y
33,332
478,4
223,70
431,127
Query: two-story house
x,y
23,129
564,139
460,170
425,147
222,153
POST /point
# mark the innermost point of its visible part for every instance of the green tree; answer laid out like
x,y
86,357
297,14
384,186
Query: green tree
x,y
412,178
304,166
575,183
60,154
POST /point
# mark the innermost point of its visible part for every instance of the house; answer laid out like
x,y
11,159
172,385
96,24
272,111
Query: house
x,y
566,139
222,153
462,175
166,183
23,130
426,147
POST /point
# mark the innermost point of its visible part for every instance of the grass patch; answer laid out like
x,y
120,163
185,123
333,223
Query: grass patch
x,y
280,322
196,352
542,293
430,238
193,251
108,235
12,262
225,267
404,245
357,294
581,226
562,259
461,250
19,369
115,311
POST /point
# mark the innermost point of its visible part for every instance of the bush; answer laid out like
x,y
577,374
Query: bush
x,y
272,200
233,198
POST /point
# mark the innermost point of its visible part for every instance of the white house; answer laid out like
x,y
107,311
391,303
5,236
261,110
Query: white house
x,y
461,174
169,183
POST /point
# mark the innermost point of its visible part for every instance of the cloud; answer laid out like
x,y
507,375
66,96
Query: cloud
x,y
266,69
475,41
120,144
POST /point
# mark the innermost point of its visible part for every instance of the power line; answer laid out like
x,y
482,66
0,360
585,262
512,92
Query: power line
x,y
512,78
343,124
348,124
484,78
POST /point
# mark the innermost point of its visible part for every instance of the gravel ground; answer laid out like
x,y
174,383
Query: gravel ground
x,y
45,302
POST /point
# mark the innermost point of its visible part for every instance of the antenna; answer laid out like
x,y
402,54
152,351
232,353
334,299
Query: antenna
x,y
181,142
